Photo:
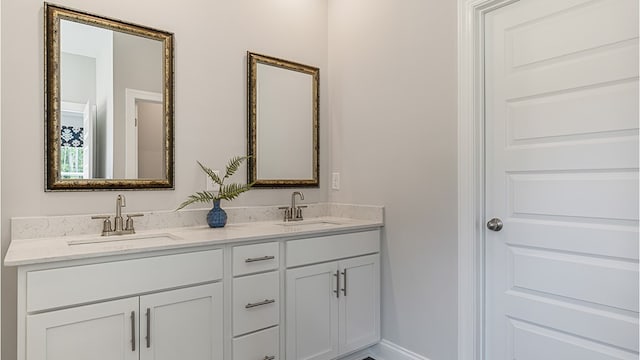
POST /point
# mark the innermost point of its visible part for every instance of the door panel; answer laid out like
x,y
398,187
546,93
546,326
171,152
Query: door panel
x,y
185,324
359,305
535,343
97,332
562,174
312,312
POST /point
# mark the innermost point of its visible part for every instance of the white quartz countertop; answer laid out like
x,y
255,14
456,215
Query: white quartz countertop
x,y
64,248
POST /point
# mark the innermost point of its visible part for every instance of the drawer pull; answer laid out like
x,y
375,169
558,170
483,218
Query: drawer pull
x,y
148,337
269,357
344,282
265,302
133,331
263,258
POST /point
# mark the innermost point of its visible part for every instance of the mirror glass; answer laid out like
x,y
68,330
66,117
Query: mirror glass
x,y
283,122
109,97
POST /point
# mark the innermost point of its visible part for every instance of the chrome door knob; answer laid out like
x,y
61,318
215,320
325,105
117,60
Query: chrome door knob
x,y
494,224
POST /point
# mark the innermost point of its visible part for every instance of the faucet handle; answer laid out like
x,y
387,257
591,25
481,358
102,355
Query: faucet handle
x,y
288,212
129,224
106,224
298,212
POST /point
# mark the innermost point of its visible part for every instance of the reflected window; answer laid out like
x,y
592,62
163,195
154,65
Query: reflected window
x,y
71,152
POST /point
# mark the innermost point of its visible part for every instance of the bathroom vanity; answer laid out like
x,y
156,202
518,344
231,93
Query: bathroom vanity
x,y
262,290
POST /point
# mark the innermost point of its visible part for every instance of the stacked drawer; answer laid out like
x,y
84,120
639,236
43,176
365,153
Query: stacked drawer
x,y
256,302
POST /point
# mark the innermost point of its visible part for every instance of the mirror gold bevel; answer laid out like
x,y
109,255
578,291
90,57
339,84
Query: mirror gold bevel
x,y
52,16
253,60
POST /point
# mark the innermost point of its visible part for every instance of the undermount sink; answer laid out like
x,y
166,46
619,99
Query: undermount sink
x,y
117,238
318,222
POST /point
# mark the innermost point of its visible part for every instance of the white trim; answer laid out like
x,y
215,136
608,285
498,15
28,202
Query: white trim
x,y
471,175
0,156
131,130
385,350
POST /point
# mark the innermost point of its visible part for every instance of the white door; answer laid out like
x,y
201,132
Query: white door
x,y
562,175
105,331
359,306
312,312
182,324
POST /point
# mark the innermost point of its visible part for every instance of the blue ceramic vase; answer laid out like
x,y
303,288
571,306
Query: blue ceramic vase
x,y
216,218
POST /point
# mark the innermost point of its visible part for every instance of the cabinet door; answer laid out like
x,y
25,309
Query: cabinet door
x,y
359,302
182,324
312,312
104,331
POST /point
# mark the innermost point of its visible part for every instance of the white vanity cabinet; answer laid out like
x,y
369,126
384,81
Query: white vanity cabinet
x,y
121,310
256,301
184,323
297,294
333,307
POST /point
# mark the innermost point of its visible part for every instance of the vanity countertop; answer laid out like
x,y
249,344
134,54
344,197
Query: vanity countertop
x,y
64,248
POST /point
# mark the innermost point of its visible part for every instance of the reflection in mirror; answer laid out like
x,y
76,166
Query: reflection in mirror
x,y
109,92
283,122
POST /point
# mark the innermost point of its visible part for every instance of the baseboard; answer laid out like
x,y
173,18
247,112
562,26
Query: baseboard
x,y
386,350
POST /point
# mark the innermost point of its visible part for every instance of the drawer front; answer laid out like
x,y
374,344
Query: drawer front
x,y
327,248
261,345
249,259
256,302
47,289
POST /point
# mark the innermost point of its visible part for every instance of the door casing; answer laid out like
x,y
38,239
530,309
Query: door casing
x,y
471,175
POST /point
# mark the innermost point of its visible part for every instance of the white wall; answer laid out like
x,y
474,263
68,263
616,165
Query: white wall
x,y
211,40
393,117
137,64
388,125
77,78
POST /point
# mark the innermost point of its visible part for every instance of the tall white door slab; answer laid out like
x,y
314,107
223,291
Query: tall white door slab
x,y
562,175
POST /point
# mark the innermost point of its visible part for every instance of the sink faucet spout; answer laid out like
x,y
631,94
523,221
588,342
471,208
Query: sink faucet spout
x,y
293,199
120,203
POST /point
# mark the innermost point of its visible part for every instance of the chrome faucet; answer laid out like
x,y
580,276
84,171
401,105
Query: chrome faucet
x,y
120,203
294,213
121,227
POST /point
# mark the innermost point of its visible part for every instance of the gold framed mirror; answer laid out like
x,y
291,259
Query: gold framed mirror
x,y
283,122
108,103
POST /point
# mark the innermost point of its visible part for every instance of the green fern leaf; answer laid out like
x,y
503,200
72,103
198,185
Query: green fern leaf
x,y
216,179
234,164
226,192
232,191
201,197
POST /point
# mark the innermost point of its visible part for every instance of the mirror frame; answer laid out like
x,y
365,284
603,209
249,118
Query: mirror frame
x,y
253,60
52,16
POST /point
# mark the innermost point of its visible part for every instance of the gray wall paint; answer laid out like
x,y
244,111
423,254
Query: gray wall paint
x,y
137,64
77,78
393,139
212,38
388,125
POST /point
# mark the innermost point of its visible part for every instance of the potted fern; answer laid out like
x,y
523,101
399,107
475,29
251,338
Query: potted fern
x,y
217,217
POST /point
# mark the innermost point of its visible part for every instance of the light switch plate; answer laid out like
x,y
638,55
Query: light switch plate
x,y
335,181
